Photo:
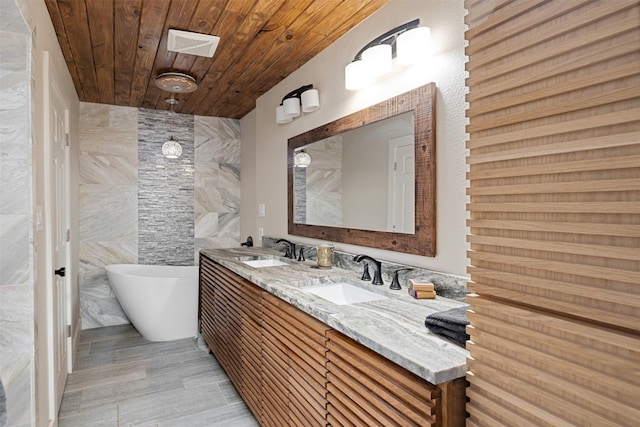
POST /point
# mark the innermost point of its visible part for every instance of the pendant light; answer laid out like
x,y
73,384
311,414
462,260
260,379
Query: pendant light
x,y
174,82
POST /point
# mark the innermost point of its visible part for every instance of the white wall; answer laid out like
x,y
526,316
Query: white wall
x,y
326,73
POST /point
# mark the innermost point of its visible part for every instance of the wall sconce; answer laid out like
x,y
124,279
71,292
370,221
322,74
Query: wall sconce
x,y
302,159
408,43
289,108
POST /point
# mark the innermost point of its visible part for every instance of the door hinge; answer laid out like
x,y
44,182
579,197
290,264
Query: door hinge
x,y
68,235
66,139
395,166
68,331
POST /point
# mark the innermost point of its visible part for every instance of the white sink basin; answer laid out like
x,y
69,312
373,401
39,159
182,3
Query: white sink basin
x,y
259,263
344,293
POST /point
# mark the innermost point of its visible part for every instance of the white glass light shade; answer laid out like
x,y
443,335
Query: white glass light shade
x,y
302,159
291,107
378,59
282,118
356,75
414,46
171,149
310,100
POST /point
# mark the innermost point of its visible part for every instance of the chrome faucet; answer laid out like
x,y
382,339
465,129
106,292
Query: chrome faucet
x,y
377,268
290,251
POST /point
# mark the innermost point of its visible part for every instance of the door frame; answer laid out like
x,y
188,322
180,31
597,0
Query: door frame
x,y
50,86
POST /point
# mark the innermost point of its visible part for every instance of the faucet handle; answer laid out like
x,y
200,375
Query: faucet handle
x,y
365,273
395,283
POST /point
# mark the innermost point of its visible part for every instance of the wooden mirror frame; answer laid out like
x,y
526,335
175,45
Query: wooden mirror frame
x,y
423,241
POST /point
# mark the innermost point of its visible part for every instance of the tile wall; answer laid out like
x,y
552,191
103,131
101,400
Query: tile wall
x,y
16,247
165,190
136,206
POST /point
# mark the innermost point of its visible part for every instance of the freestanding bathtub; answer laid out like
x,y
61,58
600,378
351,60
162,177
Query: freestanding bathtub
x,y
160,301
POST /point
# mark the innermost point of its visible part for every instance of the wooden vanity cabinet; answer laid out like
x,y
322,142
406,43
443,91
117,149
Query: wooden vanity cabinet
x,y
294,370
231,327
294,349
368,389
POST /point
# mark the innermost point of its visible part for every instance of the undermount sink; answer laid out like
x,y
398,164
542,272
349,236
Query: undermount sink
x,y
344,293
258,263
262,261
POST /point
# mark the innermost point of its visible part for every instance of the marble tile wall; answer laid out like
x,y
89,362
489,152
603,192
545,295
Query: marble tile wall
x,y
108,206
217,183
165,190
16,247
139,207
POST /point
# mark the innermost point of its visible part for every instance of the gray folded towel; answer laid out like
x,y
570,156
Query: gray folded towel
x,y
449,323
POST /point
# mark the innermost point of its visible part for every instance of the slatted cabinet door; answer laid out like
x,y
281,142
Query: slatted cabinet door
x,y
244,312
230,315
206,311
554,187
368,389
297,344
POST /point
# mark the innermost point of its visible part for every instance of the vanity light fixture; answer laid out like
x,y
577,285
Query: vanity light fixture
x,y
302,159
305,96
409,43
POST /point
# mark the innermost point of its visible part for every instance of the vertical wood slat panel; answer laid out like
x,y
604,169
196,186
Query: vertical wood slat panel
x,y
554,213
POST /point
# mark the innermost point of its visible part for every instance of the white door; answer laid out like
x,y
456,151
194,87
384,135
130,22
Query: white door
x,y
401,211
56,205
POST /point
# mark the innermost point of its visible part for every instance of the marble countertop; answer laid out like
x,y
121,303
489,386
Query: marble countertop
x,y
393,327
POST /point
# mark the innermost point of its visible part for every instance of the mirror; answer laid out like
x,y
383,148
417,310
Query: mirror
x,y
371,179
362,178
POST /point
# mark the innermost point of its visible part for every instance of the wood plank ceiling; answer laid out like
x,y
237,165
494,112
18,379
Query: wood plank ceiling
x,y
115,49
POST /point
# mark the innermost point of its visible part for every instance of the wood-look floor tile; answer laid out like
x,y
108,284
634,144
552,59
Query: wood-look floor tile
x,y
237,415
103,375
149,410
103,416
121,380
107,333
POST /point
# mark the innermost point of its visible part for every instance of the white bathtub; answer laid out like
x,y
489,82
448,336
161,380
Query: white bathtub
x,y
160,301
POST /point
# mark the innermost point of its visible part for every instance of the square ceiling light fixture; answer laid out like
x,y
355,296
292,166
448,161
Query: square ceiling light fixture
x,y
192,43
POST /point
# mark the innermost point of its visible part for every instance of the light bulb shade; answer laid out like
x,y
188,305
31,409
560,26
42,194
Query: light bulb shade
x,y
302,159
414,46
291,107
378,59
282,118
310,100
356,75
171,149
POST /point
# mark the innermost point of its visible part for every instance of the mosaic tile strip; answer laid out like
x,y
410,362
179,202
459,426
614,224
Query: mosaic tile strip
x,y
165,190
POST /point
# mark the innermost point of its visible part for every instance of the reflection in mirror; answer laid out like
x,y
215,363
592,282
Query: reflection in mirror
x,y
347,193
362,178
